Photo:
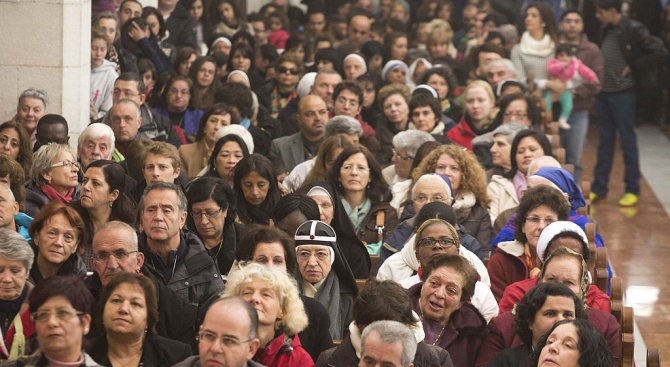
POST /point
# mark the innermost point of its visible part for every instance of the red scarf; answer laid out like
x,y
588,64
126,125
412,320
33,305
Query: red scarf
x,y
53,195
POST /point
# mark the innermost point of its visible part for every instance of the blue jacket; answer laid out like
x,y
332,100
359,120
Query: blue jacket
x,y
191,118
23,222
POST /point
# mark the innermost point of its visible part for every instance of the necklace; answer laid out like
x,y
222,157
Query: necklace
x,y
438,335
219,247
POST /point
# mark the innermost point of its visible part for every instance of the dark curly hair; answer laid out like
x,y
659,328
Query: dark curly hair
x,y
535,197
593,349
532,302
71,288
377,190
383,300
446,73
215,109
534,113
541,138
458,263
266,234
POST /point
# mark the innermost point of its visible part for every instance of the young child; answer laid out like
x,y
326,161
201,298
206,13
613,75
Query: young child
x,y
569,68
103,73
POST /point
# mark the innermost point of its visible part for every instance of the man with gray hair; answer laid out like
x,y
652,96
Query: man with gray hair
x,y
9,209
96,142
30,109
398,175
115,251
387,343
501,147
346,125
178,258
499,70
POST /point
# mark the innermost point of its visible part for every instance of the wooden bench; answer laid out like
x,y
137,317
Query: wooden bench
x,y
627,338
616,298
374,260
653,357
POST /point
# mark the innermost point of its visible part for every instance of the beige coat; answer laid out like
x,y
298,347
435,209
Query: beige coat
x,y
502,194
194,157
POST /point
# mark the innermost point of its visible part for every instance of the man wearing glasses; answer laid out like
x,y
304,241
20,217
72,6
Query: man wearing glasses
x,y
228,336
115,251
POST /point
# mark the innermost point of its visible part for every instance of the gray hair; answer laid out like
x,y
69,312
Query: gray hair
x,y
541,161
510,130
119,227
507,63
432,176
10,194
43,157
392,332
510,33
130,102
96,131
326,72
411,140
343,125
14,247
165,186
36,94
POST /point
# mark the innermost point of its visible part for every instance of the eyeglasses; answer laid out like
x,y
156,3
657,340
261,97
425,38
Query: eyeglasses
x,y
423,199
445,242
66,163
183,92
321,255
197,214
349,168
209,337
344,101
119,255
284,69
536,220
520,115
62,315
399,157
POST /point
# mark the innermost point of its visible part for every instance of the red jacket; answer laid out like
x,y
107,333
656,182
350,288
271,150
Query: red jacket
x,y
502,335
505,269
462,134
276,354
595,298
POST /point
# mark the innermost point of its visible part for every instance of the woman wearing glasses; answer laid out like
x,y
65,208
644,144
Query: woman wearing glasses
x,y
518,260
212,218
62,309
177,105
281,313
442,302
365,195
129,316
53,177
56,232
521,108
102,200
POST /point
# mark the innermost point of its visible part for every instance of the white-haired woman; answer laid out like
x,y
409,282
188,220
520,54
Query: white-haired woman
x,y
53,177
281,313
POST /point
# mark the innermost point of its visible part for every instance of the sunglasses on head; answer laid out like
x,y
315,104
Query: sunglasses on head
x,y
292,71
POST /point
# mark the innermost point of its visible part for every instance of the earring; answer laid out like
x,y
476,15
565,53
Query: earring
x,y
543,25
111,202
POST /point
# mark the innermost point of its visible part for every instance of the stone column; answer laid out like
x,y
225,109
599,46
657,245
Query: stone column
x,y
46,44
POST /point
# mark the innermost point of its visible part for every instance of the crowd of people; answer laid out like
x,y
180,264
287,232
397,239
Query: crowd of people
x,y
242,170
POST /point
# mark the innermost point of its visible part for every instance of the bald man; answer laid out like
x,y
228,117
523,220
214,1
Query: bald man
x,y
303,145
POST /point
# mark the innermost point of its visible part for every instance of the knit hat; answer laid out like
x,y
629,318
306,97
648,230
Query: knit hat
x,y
549,232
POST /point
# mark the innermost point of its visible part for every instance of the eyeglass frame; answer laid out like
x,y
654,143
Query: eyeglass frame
x,y
61,315
226,341
434,242
396,154
198,214
66,163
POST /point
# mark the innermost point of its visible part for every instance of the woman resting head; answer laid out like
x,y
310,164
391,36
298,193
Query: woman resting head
x,y
573,343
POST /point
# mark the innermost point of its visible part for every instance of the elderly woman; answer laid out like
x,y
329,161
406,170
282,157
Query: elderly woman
x,y
442,302
16,259
365,195
332,212
385,300
505,191
493,151
478,117
399,175
354,66
256,189
424,246
569,268
394,71
325,275
195,156
273,248
557,345
538,310
30,109
229,150
56,232
281,314
394,102
15,144
468,185
212,218
129,315
177,105
517,260
61,310
103,199
557,235
53,177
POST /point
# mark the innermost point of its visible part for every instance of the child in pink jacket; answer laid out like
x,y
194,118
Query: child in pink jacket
x,y
569,68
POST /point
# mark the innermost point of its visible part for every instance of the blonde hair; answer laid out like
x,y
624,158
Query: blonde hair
x,y
439,31
473,176
295,318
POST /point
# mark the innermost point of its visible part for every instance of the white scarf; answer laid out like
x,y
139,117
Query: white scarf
x,y
533,47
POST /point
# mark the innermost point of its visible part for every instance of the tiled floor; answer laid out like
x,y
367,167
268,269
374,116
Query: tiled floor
x,y
638,239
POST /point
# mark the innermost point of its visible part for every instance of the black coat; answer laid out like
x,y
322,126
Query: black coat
x,y
512,357
315,338
156,351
